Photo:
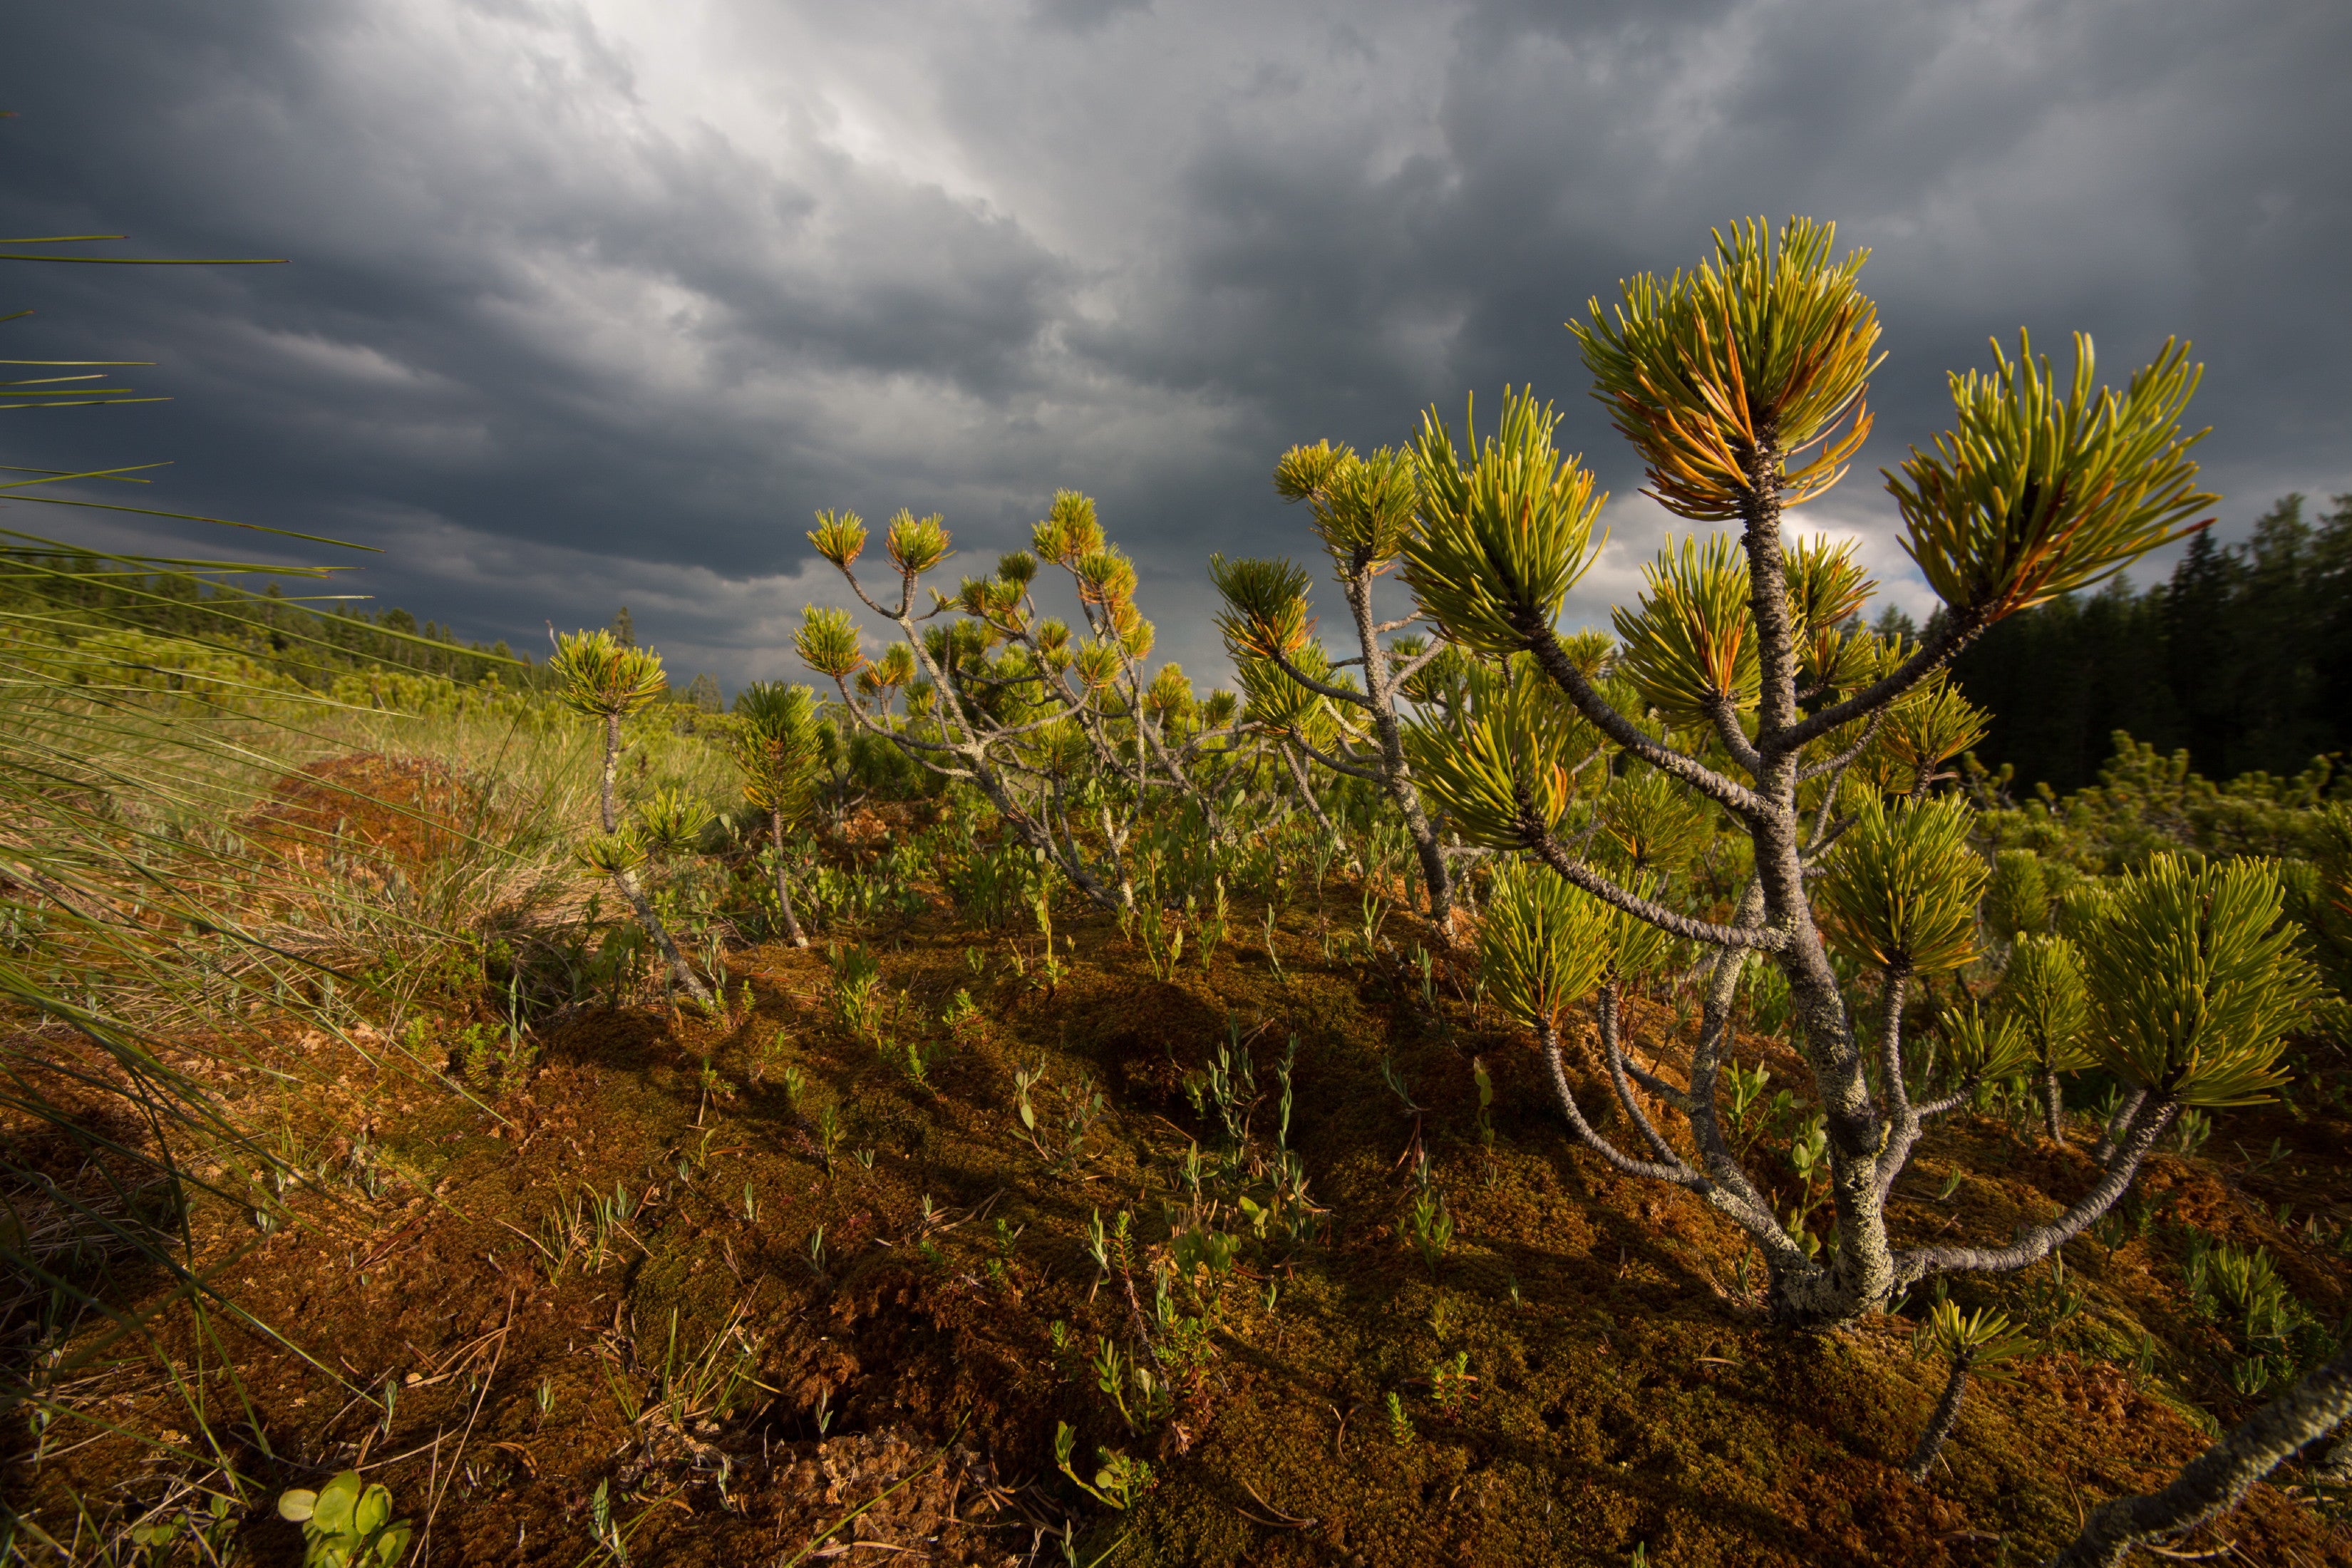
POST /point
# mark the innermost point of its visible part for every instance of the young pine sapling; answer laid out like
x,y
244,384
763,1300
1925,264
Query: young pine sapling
x,y
1363,510
602,678
1063,733
2042,990
1974,1342
778,743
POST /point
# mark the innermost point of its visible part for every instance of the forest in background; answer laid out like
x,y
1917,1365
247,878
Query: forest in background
x,y
2242,658
310,642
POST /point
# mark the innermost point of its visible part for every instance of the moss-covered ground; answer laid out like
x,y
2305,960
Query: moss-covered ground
x,y
784,1303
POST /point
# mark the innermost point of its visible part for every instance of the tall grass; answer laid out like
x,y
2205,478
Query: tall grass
x,y
212,907
196,942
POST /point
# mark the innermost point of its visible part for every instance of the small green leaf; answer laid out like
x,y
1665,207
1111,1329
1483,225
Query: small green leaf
x,y
332,1513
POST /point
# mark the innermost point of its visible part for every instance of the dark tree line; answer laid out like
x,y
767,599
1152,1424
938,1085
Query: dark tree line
x,y
2243,658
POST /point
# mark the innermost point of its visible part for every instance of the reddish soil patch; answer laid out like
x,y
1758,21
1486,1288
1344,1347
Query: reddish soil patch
x,y
393,812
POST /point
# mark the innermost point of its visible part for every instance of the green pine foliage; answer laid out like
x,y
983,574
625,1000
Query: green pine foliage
x,y
2144,803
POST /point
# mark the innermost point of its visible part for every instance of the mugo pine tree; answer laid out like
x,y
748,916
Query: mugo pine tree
x,y
1362,509
778,744
1742,691
1059,728
599,677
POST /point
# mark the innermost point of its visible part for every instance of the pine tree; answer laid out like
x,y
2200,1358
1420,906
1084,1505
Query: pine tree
x,y
605,682
1361,509
779,745
1742,691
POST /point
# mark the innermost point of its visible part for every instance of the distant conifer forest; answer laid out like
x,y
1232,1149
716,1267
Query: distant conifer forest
x,y
2243,658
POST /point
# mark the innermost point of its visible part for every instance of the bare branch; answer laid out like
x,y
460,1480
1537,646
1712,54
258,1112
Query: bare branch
x,y
1321,689
1890,1042
865,721
1726,720
1353,770
1539,842
2036,1243
905,598
2220,1477
1940,1425
1824,840
1678,1174
1959,629
1737,1202
1652,1083
1555,663
1950,1102
1419,661
1306,789
1612,1052
1706,1069
1903,1120
2118,1126
1845,759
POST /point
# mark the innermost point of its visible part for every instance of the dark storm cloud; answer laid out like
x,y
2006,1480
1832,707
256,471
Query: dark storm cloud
x,y
596,303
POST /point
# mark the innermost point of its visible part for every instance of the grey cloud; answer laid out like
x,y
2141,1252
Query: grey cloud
x,y
593,303
1085,16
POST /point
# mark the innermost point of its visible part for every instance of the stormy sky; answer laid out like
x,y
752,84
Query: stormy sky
x,y
595,303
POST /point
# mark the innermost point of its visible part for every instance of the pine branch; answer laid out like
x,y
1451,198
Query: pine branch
x,y
2220,1477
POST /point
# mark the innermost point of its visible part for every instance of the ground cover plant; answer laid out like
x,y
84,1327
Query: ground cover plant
x,y
1503,1094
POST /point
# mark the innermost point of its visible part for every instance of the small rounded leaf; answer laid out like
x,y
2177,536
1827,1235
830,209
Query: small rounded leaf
x,y
331,1513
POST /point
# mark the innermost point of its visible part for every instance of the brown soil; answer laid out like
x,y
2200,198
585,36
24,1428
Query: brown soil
x,y
404,810
1624,1404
